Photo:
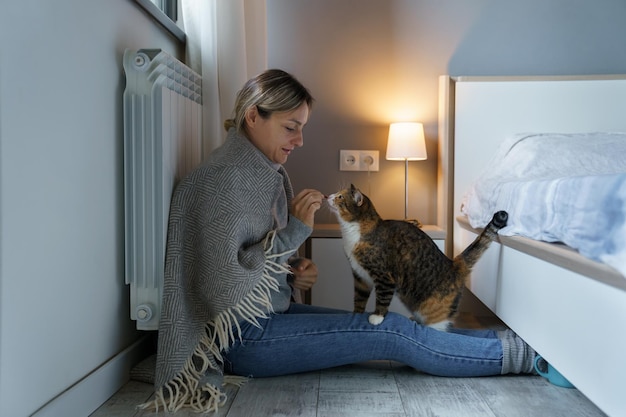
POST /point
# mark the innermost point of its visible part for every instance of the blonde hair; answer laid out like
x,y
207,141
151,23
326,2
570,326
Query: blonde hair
x,y
271,91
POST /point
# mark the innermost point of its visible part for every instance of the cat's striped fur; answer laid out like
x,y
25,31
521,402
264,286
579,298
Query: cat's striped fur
x,y
396,256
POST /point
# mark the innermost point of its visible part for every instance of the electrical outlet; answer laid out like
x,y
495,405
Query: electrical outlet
x,y
355,160
368,160
348,160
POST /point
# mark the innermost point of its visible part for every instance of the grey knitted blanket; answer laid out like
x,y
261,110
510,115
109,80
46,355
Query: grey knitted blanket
x,y
229,237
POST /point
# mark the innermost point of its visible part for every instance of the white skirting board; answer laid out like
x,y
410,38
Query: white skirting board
x,y
84,397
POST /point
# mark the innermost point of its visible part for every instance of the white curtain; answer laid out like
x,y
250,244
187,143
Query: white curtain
x,y
226,43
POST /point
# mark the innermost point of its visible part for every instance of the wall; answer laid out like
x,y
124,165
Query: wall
x,y
372,62
63,301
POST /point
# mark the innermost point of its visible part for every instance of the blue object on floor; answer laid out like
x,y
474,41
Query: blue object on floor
x,y
551,374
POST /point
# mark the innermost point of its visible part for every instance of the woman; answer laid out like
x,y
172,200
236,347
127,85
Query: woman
x,y
234,224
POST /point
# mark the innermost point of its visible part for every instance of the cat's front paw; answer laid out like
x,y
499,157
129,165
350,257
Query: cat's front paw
x,y
376,319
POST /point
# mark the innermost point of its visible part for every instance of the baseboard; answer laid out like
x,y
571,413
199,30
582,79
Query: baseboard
x,y
84,397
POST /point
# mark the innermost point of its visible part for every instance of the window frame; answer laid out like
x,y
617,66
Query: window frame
x,y
166,14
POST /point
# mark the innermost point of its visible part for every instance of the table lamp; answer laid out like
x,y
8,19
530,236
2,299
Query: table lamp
x,y
406,143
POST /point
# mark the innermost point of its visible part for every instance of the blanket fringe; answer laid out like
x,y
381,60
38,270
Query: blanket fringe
x,y
235,380
184,390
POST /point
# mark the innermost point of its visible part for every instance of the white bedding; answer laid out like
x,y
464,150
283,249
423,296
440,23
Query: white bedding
x,y
568,188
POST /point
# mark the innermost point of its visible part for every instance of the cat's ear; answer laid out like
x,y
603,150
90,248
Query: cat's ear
x,y
358,198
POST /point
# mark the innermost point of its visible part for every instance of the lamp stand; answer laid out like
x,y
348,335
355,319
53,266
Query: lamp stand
x,y
406,188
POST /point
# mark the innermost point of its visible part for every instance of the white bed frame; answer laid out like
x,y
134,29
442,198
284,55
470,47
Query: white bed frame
x,y
570,309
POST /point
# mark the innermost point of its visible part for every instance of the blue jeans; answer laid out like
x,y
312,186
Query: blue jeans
x,y
307,338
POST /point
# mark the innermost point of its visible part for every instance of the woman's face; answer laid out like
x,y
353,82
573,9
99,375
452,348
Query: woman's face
x,y
279,134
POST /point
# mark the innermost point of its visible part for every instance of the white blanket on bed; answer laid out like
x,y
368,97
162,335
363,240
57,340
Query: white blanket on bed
x,y
568,188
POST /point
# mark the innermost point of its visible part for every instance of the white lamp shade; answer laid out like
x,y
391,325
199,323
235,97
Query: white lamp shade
x,y
406,142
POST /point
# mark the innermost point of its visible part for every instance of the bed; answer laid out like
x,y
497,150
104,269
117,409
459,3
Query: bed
x,y
557,276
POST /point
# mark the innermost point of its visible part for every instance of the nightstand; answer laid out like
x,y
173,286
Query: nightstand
x,y
335,284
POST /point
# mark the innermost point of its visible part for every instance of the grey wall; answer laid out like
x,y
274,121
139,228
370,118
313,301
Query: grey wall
x,y
63,302
372,62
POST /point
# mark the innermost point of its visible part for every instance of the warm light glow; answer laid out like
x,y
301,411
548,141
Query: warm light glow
x,y
406,142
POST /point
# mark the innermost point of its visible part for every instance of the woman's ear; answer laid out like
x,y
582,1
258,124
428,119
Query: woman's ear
x,y
252,114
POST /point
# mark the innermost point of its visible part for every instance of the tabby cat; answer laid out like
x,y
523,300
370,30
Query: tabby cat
x,y
396,256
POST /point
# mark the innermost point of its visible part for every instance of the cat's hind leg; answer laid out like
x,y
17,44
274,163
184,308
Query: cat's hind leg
x,y
438,312
443,325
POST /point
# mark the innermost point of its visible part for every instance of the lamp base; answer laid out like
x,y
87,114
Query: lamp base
x,y
406,188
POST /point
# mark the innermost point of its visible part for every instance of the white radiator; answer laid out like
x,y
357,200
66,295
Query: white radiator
x,y
162,143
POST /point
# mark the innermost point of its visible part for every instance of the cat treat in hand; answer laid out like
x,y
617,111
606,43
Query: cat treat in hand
x,y
397,257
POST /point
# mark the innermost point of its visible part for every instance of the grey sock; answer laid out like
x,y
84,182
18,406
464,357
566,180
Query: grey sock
x,y
517,356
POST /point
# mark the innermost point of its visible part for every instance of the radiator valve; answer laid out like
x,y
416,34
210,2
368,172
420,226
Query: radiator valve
x,y
144,312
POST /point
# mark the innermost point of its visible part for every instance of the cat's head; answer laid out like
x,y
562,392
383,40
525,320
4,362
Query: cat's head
x,y
350,204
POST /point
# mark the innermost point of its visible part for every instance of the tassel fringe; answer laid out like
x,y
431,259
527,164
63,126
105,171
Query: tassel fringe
x,y
184,390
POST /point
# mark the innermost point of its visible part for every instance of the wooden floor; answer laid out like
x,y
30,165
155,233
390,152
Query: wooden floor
x,y
378,388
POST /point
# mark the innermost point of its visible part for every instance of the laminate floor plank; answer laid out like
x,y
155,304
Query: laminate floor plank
x,y
364,390
426,395
361,404
124,403
523,396
284,396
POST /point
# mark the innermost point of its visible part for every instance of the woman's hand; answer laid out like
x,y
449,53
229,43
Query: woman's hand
x,y
305,204
304,273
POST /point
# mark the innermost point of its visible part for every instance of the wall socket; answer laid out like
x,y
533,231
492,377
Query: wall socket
x,y
357,160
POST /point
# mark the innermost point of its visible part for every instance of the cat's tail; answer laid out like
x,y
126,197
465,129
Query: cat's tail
x,y
471,254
